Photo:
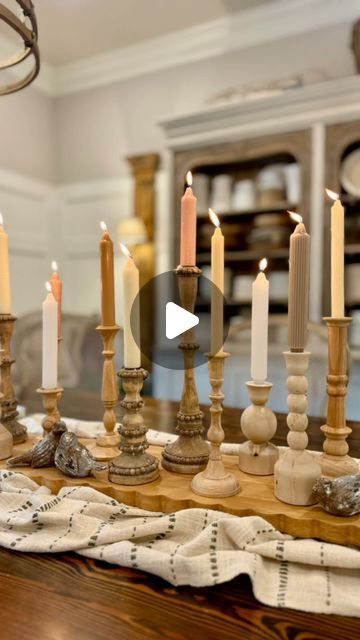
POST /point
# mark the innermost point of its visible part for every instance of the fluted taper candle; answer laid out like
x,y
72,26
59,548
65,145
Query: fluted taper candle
x,y
299,282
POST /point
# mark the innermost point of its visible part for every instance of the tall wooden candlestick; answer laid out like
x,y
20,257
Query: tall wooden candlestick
x,y
8,400
189,453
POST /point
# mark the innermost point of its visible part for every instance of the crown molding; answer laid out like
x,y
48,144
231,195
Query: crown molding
x,y
252,27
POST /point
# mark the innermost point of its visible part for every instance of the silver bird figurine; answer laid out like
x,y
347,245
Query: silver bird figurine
x,y
74,459
340,496
42,454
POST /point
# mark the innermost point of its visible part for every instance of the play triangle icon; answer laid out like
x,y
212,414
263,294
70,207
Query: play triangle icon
x,y
178,320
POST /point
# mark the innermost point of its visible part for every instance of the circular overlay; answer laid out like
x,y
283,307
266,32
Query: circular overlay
x,y
187,290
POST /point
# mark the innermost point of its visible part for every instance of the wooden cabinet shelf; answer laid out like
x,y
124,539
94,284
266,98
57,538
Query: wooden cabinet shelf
x,y
247,255
276,208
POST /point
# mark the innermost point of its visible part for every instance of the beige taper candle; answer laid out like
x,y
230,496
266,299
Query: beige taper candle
x,y
299,283
217,291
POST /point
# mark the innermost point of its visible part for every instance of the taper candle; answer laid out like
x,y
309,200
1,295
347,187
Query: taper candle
x,y
56,289
107,278
299,283
49,341
188,226
337,256
5,291
132,352
259,325
217,279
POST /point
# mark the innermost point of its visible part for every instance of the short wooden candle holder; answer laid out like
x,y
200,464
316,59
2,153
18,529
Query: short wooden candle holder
x,y
297,470
51,399
133,466
215,481
258,423
9,402
334,461
106,446
189,453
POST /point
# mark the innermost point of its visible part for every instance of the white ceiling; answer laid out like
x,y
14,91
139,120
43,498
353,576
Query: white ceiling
x,y
73,29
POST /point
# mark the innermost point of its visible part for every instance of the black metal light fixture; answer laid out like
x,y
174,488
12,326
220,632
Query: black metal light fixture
x,y
29,34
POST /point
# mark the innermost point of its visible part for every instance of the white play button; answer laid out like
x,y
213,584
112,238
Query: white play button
x,y
178,320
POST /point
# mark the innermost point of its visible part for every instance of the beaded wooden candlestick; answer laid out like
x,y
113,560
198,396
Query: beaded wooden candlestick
x,y
106,446
297,470
133,466
189,453
51,399
215,481
9,402
258,423
335,461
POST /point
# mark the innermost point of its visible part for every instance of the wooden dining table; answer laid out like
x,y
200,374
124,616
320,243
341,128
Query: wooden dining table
x,y
67,597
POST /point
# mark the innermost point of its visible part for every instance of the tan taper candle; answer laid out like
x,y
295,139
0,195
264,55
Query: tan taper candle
x,y
337,260
5,292
299,283
217,279
107,279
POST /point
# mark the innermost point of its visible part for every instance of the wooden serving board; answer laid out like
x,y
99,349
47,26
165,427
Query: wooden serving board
x,y
172,492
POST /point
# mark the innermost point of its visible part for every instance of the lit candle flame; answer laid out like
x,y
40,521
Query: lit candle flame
x,y
125,250
263,264
54,265
189,179
332,194
1,219
214,219
295,217
48,287
103,225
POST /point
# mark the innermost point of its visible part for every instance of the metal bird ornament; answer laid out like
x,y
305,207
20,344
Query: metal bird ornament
x,y
43,452
73,459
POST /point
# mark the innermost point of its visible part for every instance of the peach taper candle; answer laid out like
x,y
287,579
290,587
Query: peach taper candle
x,y
217,291
107,278
188,226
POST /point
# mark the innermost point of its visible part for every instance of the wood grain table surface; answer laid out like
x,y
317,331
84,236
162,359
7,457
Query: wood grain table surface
x,y
66,597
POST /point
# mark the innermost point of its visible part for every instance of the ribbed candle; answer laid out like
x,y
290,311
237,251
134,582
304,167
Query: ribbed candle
x,y
299,283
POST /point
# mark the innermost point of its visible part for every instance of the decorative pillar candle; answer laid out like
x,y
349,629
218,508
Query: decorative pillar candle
x,y
188,226
49,341
217,279
259,325
56,289
299,284
337,256
132,352
107,279
5,292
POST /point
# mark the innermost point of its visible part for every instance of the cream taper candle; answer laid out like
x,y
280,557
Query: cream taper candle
x,y
5,291
131,305
337,256
217,279
56,289
259,325
49,341
188,226
299,284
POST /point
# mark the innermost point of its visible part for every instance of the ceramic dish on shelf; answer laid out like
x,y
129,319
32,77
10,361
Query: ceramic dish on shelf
x,y
350,173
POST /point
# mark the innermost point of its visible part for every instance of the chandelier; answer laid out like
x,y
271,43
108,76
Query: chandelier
x,y
27,30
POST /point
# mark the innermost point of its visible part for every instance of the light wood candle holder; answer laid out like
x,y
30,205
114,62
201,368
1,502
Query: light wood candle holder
x,y
6,440
51,399
258,423
9,402
133,466
334,461
106,446
215,481
297,470
189,453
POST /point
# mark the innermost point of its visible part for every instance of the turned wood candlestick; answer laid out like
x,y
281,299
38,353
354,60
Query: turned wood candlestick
x,y
215,481
9,402
335,461
133,466
258,423
297,470
106,446
6,440
189,453
51,399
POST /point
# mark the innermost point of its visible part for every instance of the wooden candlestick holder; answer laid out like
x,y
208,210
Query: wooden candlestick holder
x,y
297,470
258,423
334,461
133,466
189,453
6,440
215,481
9,402
51,399
106,446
